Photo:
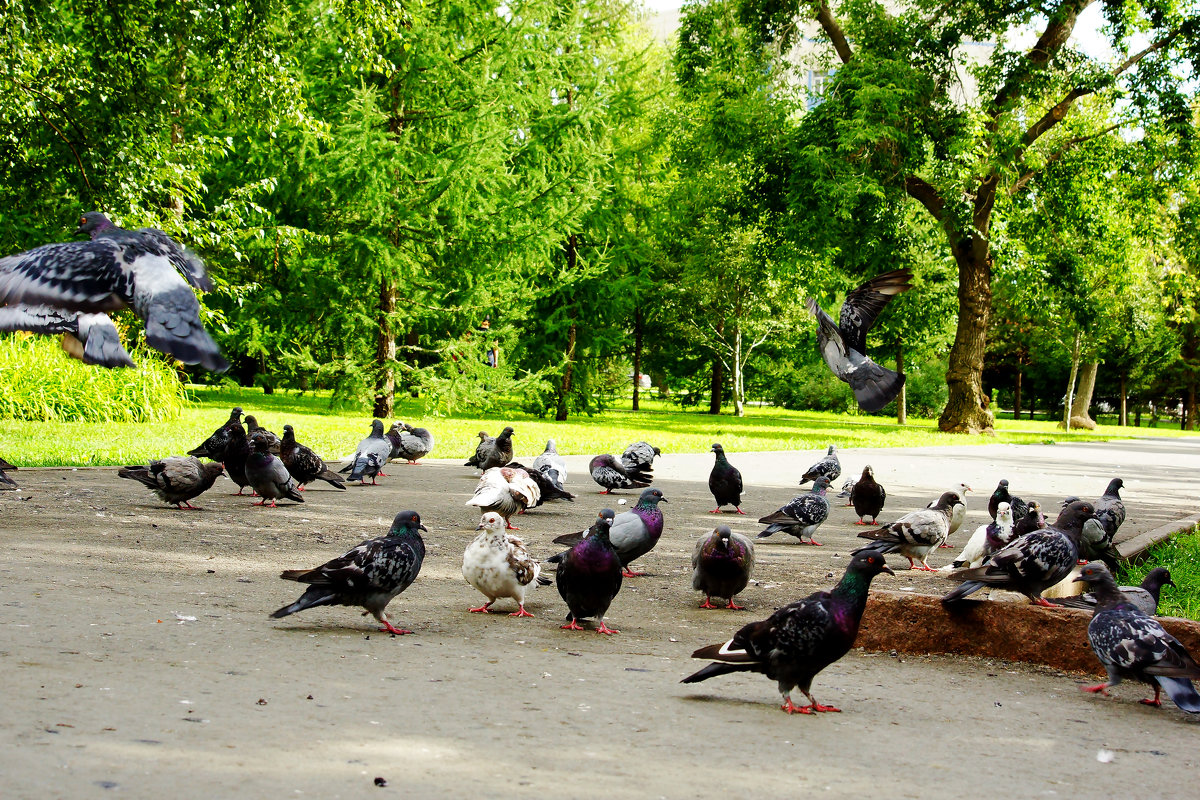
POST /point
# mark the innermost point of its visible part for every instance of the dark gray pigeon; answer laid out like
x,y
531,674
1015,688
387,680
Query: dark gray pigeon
x,y
1018,506
1132,644
1034,520
611,474
492,452
844,345
6,483
176,479
1144,597
119,269
550,458
725,482
237,452
267,475
915,534
372,453
252,428
828,466
638,460
801,516
304,464
409,443
214,446
91,338
1096,543
722,562
1032,563
867,496
368,576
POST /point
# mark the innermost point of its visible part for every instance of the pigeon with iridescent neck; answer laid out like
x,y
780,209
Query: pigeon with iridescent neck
x,y
722,562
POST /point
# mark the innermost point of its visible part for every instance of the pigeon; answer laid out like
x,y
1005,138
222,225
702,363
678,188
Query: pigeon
x,y
237,452
551,458
1034,520
1019,507
119,269
91,338
986,540
507,491
369,575
409,443
1132,644
1098,533
372,453
722,562
492,452
612,474
958,510
867,497
252,428
915,534
267,474
497,564
589,576
176,479
800,639
844,345
638,460
1144,597
828,466
725,482
549,485
634,532
303,464
1032,563
801,516
214,446
847,491
7,483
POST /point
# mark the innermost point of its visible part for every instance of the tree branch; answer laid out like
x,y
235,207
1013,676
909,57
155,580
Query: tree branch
x,y
1058,31
924,193
1066,147
833,30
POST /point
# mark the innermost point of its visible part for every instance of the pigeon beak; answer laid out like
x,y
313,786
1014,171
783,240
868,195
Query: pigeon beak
x,y
422,527
663,500
1079,579
479,527
888,570
1169,582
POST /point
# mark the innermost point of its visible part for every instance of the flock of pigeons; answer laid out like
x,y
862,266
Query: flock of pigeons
x,y
1018,551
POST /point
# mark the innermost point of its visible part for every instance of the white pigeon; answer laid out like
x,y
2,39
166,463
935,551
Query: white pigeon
x,y
497,564
986,540
507,491
551,458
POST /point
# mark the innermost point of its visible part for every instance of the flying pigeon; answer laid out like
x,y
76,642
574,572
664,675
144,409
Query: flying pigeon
x,y
372,453
1131,644
634,532
214,446
1032,563
252,428
91,338
986,540
1019,507
368,576
828,466
612,474
915,534
507,491
844,345
867,497
176,479
119,269
725,482
303,464
409,443
589,576
1144,597
549,485
1034,520
722,562
550,458
492,452
237,453
801,516
498,565
638,460
267,474
7,483
800,639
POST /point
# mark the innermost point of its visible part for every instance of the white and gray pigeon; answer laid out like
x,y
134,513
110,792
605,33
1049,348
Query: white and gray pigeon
x,y
1132,644
550,458
372,453
118,269
844,345
507,491
409,443
914,535
828,467
1143,597
986,540
958,511
801,516
610,473
638,458
498,565
847,490
91,338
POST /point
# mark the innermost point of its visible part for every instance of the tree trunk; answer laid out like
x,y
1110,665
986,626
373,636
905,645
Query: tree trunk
x,y
1190,409
1070,401
385,352
1083,396
902,398
637,355
966,410
1123,420
412,339
739,379
1137,416
1017,396
718,380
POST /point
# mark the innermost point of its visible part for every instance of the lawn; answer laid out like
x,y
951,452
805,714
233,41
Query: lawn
x,y
1181,555
334,432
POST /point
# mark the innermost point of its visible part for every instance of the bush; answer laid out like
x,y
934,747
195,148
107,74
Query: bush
x,y
38,382
807,387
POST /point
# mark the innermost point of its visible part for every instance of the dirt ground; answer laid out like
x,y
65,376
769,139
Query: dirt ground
x,y
137,658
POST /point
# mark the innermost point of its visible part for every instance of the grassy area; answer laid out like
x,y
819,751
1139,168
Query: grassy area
x,y
1181,555
334,432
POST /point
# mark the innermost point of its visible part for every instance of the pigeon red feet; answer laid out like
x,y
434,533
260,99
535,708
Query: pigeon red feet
x,y
606,491
813,542
739,510
606,630
263,502
1148,702
1044,603
392,629
299,488
860,522
628,574
708,603
716,510
509,526
520,612
483,609
818,707
1099,688
383,475
186,505
945,546
734,606
791,708
573,625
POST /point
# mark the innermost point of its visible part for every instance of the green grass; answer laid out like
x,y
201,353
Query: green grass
x,y
335,432
1181,555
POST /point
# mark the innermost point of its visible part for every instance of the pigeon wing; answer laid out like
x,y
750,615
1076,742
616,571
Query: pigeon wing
x,y
74,276
863,305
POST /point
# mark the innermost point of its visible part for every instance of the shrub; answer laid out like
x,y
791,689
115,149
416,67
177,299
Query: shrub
x,y
39,382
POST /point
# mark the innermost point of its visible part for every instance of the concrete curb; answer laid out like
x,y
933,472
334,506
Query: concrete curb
x,y
1130,549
